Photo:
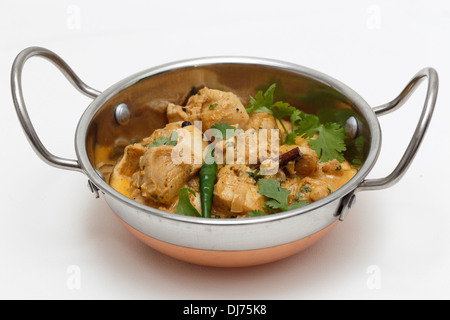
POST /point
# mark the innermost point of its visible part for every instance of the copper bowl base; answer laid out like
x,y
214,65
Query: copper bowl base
x,y
227,259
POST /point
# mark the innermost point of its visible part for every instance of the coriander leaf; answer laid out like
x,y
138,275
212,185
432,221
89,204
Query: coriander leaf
x,y
185,206
329,143
268,95
308,126
296,116
305,188
282,109
290,139
298,204
256,174
275,204
278,196
256,213
164,141
159,142
262,102
224,131
263,109
173,139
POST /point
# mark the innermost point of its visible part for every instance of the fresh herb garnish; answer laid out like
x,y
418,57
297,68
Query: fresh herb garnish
x,y
164,141
263,102
224,131
305,188
185,206
213,106
255,174
278,196
256,213
295,117
330,141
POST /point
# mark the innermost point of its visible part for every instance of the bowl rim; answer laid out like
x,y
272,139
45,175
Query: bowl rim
x,y
350,94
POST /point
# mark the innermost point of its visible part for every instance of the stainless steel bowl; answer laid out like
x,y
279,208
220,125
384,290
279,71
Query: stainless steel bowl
x,y
132,108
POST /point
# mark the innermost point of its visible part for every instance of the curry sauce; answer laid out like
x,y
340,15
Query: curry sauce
x,y
154,170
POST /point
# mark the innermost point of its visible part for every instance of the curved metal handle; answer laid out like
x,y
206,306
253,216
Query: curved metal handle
x,y
19,103
427,112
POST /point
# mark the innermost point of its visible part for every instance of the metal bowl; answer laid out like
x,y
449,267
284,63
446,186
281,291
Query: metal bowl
x,y
132,108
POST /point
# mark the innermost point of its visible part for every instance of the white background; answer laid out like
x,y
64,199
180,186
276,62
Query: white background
x,y
52,227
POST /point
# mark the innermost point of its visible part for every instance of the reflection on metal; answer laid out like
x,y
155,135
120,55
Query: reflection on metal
x,y
122,114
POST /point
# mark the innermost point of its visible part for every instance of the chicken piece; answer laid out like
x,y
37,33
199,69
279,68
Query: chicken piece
x,y
263,120
190,146
336,174
176,113
319,189
120,178
307,165
189,141
219,106
268,135
235,192
214,106
260,120
210,106
247,147
306,188
136,195
128,164
333,167
160,178
164,169
163,132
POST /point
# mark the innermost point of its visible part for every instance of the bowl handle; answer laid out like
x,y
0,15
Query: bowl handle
x,y
19,103
404,163
427,112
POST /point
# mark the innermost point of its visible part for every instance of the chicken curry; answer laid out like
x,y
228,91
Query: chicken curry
x,y
218,158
